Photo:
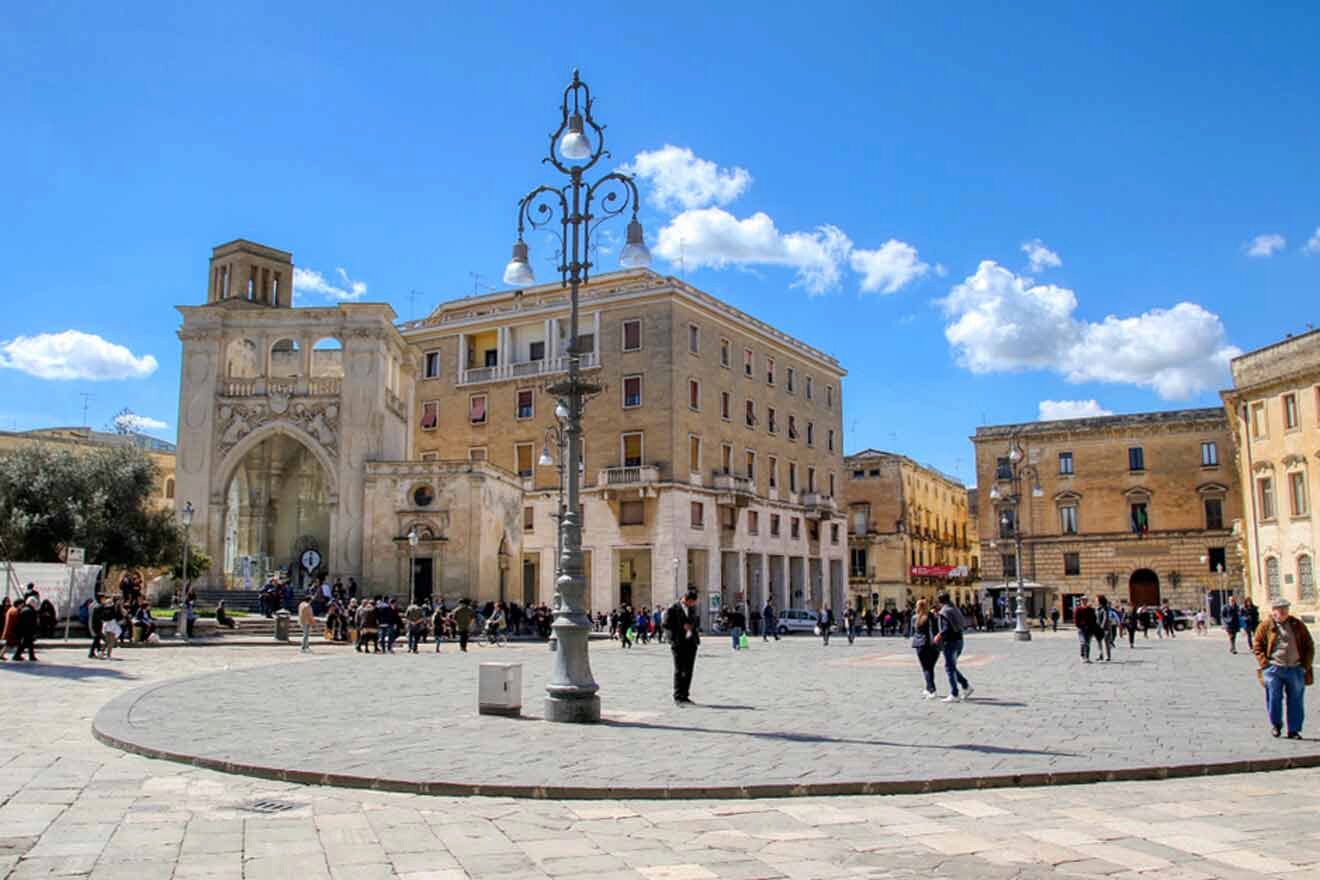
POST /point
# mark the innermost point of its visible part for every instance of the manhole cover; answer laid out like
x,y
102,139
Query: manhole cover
x,y
268,806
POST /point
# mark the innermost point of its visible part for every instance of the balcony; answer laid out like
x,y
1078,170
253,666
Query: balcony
x,y
819,506
640,476
732,490
521,370
317,386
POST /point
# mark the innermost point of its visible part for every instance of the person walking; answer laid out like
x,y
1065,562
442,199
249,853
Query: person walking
x,y
10,634
438,625
415,619
1054,619
950,640
366,626
1085,621
27,629
463,616
850,623
1250,616
736,623
769,622
684,628
825,624
924,630
1284,652
96,623
1131,620
1106,629
1232,617
306,617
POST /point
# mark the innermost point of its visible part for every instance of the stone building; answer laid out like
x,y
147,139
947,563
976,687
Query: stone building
x,y
1137,507
161,452
294,446
712,454
907,531
1274,410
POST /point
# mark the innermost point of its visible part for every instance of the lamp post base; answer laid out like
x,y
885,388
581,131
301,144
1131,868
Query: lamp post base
x,y
584,709
1022,635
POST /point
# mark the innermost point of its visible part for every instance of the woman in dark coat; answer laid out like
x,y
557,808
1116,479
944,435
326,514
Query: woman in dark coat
x,y
46,615
924,630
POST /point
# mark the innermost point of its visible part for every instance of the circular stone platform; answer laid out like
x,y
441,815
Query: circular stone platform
x,y
786,718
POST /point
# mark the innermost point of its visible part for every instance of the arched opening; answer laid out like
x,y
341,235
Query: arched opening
x,y
169,487
277,507
241,359
328,358
1144,587
285,359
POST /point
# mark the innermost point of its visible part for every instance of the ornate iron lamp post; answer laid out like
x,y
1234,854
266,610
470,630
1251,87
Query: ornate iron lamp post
x,y
578,207
1011,502
412,564
186,515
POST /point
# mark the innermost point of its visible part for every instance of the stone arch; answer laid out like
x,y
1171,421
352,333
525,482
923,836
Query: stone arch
x,y
328,358
1144,587
285,358
234,457
241,359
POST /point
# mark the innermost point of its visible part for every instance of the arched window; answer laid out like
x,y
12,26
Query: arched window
x,y
169,487
328,358
1272,577
285,359
1306,577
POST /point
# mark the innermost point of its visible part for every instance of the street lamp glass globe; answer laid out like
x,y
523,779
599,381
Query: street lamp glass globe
x,y
574,144
187,514
1037,491
1015,454
545,460
412,537
519,271
994,493
635,254
561,411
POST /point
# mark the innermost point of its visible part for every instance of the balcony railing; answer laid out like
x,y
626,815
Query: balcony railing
x,y
635,475
317,386
818,506
731,489
523,369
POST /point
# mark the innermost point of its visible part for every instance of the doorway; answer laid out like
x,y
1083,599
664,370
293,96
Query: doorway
x,y
529,583
422,579
1144,588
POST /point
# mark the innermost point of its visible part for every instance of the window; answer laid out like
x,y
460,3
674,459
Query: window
x,y
811,479
694,454
586,343
774,525
169,488
726,405
1072,564
748,362
1214,513
1258,426
753,522
811,433
694,394
529,519
795,528
792,428
857,562
750,414
772,465
1136,458
829,438
477,409
1290,420
430,415
1007,521
831,493
477,453
631,449
431,365
632,513
1140,518
1297,493
1306,578
749,462
726,353
790,380
809,389
632,335
632,391
694,339
1218,559
536,351
1068,519
1010,565
522,459
1272,576
729,518
834,533
769,371
726,458
829,397
861,514
771,424
792,476
524,403
698,515
1003,468
430,456
1209,454
1065,463
1265,491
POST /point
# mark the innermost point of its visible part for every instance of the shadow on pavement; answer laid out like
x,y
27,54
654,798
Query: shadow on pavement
x,y
45,669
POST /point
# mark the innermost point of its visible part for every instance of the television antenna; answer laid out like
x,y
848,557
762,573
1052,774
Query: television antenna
x,y
86,397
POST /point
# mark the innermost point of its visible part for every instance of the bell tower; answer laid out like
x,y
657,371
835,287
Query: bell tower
x,y
243,271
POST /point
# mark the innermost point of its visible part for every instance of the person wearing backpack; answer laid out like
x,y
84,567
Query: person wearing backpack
x,y
950,640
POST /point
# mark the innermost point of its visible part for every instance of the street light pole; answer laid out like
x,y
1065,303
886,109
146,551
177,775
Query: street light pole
x,y
412,565
187,517
1017,470
575,147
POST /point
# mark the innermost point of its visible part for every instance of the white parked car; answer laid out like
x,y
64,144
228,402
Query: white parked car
x,y
793,620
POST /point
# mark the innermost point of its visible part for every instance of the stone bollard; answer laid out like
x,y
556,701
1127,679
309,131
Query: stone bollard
x,y
282,618
499,689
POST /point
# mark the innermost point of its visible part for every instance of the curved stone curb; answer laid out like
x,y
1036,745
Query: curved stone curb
x,y
116,714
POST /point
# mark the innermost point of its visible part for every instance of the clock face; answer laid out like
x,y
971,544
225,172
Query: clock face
x,y
310,560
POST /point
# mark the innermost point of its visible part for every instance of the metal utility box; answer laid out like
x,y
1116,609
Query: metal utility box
x,y
499,689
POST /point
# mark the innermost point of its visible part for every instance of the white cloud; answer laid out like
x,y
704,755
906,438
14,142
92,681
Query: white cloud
x,y
680,181
309,281
1055,410
889,268
714,237
133,422
73,354
1002,322
1265,245
1313,243
1040,257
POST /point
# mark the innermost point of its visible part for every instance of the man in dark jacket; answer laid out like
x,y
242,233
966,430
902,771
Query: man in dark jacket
x,y
1085,621
1232,619
769,622
27,630
952,625
95,622
684,628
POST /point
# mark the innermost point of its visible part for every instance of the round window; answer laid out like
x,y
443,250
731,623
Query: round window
x,y
423,496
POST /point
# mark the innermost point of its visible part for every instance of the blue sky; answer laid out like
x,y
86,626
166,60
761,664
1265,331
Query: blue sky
x,y
894,162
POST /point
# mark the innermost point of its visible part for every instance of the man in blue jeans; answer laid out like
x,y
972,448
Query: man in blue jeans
x,y
1285,651
950,641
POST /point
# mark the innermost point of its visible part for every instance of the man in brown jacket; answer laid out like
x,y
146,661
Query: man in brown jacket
x,y
1284,651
